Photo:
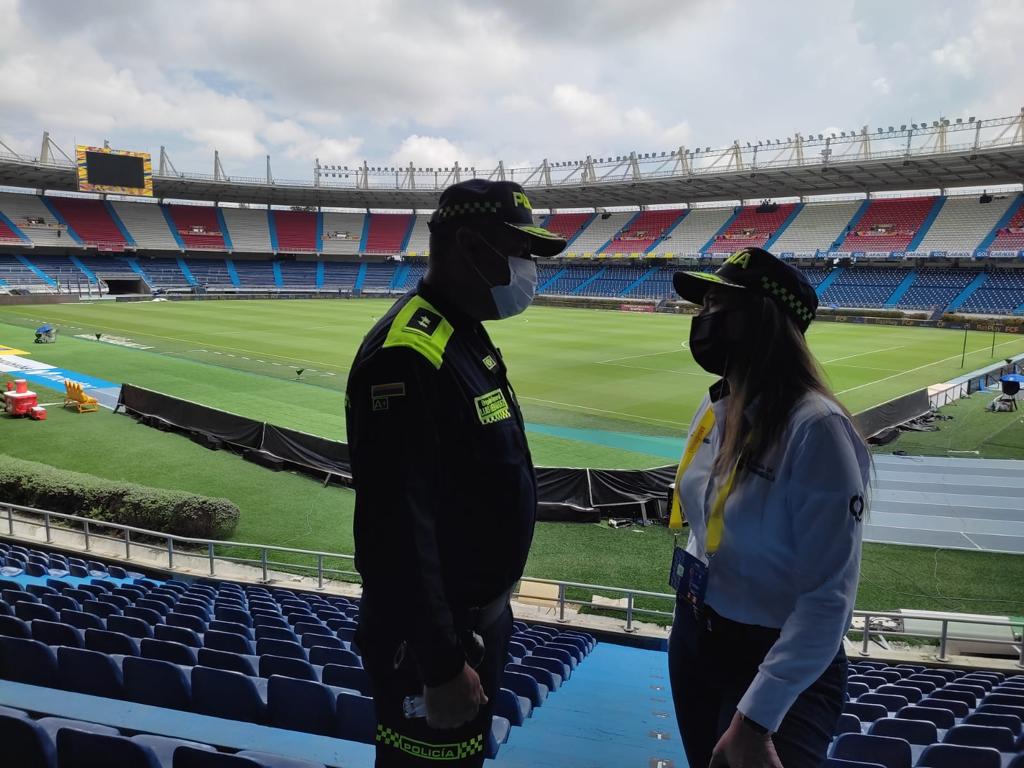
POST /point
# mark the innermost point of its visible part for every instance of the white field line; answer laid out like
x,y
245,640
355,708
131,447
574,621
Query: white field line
x,y
659,370
861,354
920,367
683,424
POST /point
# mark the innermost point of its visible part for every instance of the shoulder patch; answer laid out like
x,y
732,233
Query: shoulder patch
x,y
419,326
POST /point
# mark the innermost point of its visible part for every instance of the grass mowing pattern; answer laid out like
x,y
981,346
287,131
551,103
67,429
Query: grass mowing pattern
x,y
579,369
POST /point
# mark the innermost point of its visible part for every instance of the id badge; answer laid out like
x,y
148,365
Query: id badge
x,y
689,577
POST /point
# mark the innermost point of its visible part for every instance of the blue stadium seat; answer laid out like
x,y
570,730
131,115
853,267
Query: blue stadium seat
x,y
166,650
522,685
942,718
286,666
540,672
264,631
321,655
33,611
507,705
5,609
948,694
835,762
118,600
848,724
35,569
12,626
132,627
89,672
312,640
40,590
227,641
157,683
958,708
234,662
230,695
104,641
117,572
1008,699
890,702
280,648
998,738
27,661
56,633
78,595
177,635
345,676
301,705
167,600
189,609
96,590
911,694
231,627
235,615
956,756
1002,709
175,619
922,685
81,620
566,662
27,741
853,690
496,736
101,608
190,757
887,751
1011,722
157,606
59,602
357,720
921,732
163,746
264,620
80,749
148,615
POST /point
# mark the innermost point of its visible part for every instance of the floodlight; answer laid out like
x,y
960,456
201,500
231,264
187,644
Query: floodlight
x,y
891,128
903,127
970,120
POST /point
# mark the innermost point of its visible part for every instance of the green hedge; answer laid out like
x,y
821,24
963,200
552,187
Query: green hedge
x,y
31,484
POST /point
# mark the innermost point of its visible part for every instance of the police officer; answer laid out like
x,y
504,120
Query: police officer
x,y
445,487
773,482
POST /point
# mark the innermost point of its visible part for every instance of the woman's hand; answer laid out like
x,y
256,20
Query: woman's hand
x,y
742,747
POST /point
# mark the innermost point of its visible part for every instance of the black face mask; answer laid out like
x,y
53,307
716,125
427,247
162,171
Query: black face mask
x,y
713,337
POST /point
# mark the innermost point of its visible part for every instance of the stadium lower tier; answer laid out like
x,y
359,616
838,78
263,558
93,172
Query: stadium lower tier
x,y
985,289
245,653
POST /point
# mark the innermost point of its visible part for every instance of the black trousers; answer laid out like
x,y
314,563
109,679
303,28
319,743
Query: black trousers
x,y
712,662
410,742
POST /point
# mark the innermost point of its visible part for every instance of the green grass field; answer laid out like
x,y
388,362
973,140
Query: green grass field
x,y
598,388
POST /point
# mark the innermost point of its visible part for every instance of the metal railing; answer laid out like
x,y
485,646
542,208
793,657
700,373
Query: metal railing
x,y
206,548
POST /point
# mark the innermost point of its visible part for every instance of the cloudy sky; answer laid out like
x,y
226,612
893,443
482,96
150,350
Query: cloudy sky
x,y
435,81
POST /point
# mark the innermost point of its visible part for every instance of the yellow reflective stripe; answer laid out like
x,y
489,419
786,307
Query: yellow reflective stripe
x,y
716,522
430,345
707,421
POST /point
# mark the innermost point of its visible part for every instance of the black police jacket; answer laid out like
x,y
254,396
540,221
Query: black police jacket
x,y
446,495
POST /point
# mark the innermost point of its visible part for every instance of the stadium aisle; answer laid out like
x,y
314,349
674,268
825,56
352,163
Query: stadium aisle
x,y
616,712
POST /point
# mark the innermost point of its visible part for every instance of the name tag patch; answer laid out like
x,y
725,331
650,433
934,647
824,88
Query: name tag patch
x,y
492,407
380,394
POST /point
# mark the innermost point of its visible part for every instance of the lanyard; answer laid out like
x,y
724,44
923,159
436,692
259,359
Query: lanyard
x,y
716,521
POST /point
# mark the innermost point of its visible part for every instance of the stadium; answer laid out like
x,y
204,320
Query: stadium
x,y
198,601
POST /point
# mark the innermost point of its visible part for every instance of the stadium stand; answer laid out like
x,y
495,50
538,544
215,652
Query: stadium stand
x,y
247,229
247,653
1011,236
14,274
147,225
695,231
888,225
298,274
863,287
61,269
91,221
35,220
379,277
753,226
163,273
935,288
296,231
343,232
212,273
1002,293
817,227
600,231
613,280
568,225
340,275
387,232
419,240
110,266
197,226
255,273
962,224
644,231
8,235
569,280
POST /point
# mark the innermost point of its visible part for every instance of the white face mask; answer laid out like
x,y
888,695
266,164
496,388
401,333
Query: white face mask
x,y
515,297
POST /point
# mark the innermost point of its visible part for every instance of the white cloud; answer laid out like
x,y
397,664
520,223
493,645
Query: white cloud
x,y
395,81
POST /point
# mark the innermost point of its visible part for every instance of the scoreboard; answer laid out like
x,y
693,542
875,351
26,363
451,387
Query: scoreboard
x,y
114,171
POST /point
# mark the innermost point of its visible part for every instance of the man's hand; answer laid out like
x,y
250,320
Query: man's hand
x,y
456,702
741,747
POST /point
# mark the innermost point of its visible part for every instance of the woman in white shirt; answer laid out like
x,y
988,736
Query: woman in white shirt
x,y
773,484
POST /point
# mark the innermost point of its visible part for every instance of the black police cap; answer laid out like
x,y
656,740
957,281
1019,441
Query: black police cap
x,y
756,270
478,200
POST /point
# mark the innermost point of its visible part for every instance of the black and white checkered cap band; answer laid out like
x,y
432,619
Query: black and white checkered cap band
x,y
786,297
468,209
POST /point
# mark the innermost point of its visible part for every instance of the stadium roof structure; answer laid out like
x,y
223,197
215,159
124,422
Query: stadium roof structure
x,y
940,155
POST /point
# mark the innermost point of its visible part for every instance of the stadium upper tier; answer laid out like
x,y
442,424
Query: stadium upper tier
x,y
960,226
983,290
941,155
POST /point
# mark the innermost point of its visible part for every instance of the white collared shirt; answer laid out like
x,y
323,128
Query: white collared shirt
x,y
790,552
